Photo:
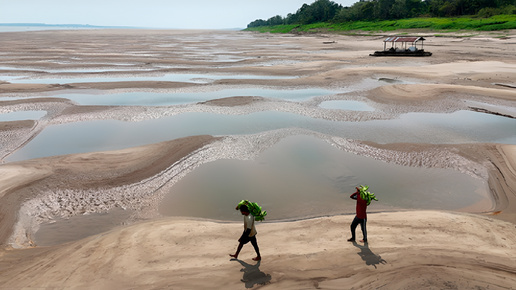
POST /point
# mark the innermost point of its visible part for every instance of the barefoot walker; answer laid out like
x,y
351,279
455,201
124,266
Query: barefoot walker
x,y
251,212
363,198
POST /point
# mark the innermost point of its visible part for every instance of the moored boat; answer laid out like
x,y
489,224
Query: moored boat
x,y
402,46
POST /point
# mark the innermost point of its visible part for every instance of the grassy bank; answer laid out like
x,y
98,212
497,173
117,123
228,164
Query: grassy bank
x,y
495,23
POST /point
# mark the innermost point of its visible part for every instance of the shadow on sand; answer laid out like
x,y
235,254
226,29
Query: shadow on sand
x,y
252,274
368,256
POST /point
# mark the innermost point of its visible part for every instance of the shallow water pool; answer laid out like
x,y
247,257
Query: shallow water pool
x,y
167,99
299,177
78,227
22,115
433,128
188,78
303,176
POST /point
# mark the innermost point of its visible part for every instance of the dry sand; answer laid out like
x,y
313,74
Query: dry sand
x,y
407,250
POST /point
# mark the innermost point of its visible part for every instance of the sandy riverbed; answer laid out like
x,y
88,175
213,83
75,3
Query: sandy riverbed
x,y
407,249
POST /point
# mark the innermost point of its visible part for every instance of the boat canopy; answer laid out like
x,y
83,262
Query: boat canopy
x,y
394,40
403,39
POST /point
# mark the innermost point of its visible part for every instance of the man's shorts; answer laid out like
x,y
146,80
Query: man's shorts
x,y
249,239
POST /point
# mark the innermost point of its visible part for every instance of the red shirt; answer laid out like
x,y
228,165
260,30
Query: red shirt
x,y
361,206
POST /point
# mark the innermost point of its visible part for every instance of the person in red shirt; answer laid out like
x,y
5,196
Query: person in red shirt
x,y
360,217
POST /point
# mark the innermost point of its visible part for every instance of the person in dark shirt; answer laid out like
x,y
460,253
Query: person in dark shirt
x,y
360,217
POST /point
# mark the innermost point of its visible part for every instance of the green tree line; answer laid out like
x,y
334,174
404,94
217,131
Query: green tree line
x,y
377,10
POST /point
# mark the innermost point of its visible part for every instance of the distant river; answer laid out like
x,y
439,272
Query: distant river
x,y
5,27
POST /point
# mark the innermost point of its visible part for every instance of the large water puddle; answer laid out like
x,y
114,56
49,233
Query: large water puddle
x,y
433,128
299,177
303,176
179,98
78,227
189,78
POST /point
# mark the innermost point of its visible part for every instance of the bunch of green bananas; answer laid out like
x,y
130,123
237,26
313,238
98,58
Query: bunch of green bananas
x,y
254,208
366,195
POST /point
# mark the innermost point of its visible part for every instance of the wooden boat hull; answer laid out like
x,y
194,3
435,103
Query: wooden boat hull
x,y
401,53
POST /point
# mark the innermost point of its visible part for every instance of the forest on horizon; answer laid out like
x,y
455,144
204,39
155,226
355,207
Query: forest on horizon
x,y
379,10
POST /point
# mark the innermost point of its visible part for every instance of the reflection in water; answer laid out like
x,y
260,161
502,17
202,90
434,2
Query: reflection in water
x,y
303,176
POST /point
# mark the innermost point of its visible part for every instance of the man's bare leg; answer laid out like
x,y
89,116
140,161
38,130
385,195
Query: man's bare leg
x,y
256,249
235,256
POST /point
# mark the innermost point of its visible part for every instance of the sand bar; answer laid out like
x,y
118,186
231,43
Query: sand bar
x,y
439,249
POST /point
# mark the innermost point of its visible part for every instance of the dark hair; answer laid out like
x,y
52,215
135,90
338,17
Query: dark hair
x,y
244,208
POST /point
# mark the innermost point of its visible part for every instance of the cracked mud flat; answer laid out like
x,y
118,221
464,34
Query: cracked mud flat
x,y
136,179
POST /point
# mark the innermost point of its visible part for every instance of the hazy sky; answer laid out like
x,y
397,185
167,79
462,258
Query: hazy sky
x,y
149,13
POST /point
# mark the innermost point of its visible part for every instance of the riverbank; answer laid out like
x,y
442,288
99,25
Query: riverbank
x,y
497,25
441,249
